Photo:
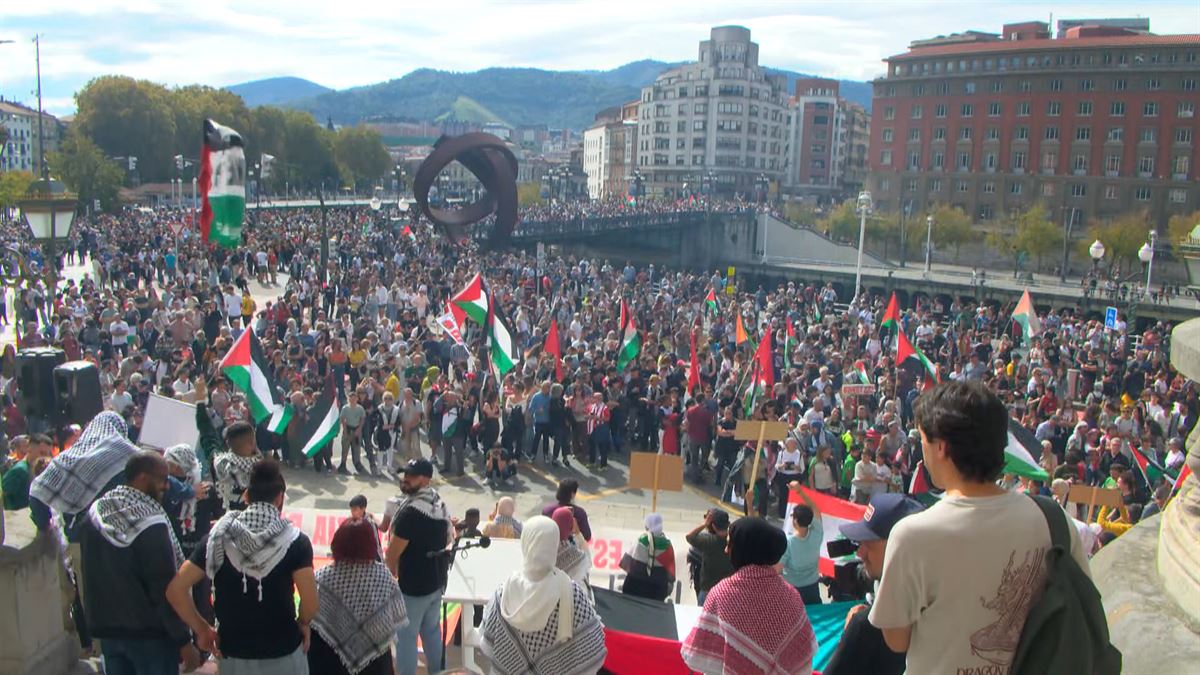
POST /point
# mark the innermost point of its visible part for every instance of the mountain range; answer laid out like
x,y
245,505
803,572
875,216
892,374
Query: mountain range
x,y
513,96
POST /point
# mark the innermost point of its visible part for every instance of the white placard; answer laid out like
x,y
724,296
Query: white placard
x,y
168,422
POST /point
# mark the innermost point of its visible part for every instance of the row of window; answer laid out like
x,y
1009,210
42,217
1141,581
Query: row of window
x,y
1141,193
735,161
1018,162
1123,58
1184,110
1183,135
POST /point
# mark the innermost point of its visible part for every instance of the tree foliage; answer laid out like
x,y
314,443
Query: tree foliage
x,y
13,186
1180,227
1122,237
86,171
1035,234
842,222
360,154
529,194
952,227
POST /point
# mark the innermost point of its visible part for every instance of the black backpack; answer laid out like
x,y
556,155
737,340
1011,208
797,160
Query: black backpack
x,y
1066,631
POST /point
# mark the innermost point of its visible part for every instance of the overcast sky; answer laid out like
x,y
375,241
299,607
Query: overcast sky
x,y
345,43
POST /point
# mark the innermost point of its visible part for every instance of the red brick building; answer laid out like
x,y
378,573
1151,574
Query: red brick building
x,y
827,140
1098,122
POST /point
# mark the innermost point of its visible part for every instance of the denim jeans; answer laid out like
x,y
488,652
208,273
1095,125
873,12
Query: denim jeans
x,y
601,443
423,619
139,657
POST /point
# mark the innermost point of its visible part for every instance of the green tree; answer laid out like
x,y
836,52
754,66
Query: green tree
x,y
1122,237
13,186
952,227
360,152
1180,227
1035,234
127,117
529,193
842,222
800,213
86,171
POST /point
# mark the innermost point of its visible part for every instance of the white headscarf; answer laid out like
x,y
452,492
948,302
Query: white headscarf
x,y
530,596
654,524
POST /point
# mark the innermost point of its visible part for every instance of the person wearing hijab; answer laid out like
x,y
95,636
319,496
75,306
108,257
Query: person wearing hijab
x,y
650,568
539,621
571,558
503,524
734,636
360,607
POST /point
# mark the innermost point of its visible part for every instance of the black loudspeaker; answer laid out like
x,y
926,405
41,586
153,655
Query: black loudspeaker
x,y
35,382
78,388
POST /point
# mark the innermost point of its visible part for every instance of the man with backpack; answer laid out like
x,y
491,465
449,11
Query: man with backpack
x,y
960,579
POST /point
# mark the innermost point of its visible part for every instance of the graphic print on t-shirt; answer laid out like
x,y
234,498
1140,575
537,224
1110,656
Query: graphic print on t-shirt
x,y
997,642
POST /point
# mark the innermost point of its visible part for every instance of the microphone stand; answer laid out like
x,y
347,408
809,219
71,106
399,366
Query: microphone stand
x,y
452,555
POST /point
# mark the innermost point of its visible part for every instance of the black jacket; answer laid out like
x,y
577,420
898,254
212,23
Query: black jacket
x,y
125,589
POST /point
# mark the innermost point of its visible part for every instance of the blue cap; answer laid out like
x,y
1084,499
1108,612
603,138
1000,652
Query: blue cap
x,y
881,516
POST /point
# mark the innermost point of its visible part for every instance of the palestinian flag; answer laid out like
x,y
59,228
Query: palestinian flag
x,y
905,351
624,317
472,302
322,426
1020,452
762,359
553,348
740,336
1027,316
891,315
222,185
789,345
449,422
502,347
631,345
752,393
408,234
1152,471
246,367
1183,475
710,301
860,369
920,487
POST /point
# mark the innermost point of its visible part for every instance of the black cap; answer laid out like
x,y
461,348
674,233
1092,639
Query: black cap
x,y
881,516
418,467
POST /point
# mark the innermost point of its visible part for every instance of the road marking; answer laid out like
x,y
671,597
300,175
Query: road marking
x,y
716,502
606,492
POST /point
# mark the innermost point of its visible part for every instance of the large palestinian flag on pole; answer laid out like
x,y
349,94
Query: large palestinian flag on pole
x,y
1152,472
246,367
905,351
222,185
1019,454
472,302
502,348
891,315
1027,316
631,344
322,426
789,345
710,302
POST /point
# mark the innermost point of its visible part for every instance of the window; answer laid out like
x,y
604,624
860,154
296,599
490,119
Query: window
x,y
1018,160
889,112
1180,166
1079,164
916,112
939,133
1150,109
1110,191
1112,165
914,134
1142,194
887,135
968,87
1056,85
938,160
935,185
681,127
1146,165
993,133
1188,84
1148,135
1078,190
1023,109
918,90
1083,133
914,161
1087,85
941,88
997,86
964,134
1116,134
939,110
990,162
1119,84
1049,161
1054,108
994,109
1014,188
1187,109
885,157
1051,133
700,108
961,186
680,143
967,110
1178,196
1085,109
964,161
1047,189
1153,84
989,187
1023,85
1183,135
1021,133
698,125
885,185
986,211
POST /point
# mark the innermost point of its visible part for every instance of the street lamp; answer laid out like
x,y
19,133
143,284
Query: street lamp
x,y
928,243
50,210
1096,251
864,207
1146,255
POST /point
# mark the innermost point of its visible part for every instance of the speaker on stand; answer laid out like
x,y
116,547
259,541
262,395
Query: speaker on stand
x,y
36,397
77,387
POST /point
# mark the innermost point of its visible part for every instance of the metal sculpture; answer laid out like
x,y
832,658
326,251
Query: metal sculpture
x,y
493,163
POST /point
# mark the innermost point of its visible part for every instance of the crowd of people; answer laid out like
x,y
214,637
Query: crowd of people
x,y
157,313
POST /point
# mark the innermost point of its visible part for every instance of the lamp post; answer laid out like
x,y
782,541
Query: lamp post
x,y
864,207
1069,217
1096,251
928,243
1146,255
50,210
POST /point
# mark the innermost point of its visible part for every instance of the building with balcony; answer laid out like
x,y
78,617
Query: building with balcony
x,y
827,141
609,151
23,148
1097,122
719,124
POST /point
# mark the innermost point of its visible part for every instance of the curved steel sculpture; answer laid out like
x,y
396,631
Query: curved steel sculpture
x,y
493,163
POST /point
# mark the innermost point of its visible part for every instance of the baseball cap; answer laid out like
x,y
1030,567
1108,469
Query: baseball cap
x,y
419,467
881,516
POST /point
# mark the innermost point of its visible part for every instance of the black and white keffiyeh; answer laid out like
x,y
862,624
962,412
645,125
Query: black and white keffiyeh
x,y
233,474
74,478
361,607
125,512
573,560
184,457
516,652
427,501
254,541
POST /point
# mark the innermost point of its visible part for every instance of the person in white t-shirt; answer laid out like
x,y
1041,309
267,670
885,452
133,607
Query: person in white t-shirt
x,y
959,579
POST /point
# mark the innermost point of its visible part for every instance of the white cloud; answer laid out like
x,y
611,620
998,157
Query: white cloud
x,y
356,42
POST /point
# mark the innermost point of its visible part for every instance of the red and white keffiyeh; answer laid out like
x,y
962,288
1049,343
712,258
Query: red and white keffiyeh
x,y
739,634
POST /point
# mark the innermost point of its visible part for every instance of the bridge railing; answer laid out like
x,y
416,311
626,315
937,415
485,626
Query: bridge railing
x,y
583,225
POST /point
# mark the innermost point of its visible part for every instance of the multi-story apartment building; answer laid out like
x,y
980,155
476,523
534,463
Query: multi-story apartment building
x,y
827,136
608,151
717,124
1098,122
17,153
